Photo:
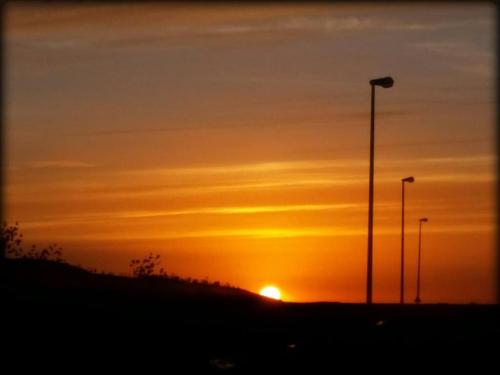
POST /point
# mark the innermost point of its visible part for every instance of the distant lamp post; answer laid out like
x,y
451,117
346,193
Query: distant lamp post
x,y
385,82
422,220
402,292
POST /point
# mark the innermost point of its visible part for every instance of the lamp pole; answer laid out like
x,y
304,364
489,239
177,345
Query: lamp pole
x,y
385,82
422,220
402,291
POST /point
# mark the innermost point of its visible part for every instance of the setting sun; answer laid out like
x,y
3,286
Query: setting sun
x,y
271,292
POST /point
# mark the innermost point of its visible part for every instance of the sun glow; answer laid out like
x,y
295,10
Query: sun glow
x,y
271,292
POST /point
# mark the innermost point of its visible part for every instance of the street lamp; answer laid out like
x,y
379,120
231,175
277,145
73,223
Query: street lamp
x,y
422,220
402,292
385,82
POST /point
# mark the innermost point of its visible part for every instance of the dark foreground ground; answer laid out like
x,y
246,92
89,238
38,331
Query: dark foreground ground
x,y
53,314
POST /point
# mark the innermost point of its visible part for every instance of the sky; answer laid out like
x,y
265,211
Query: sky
x,y
233,140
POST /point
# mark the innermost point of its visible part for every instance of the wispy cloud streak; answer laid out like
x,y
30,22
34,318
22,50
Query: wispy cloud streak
x,y
60,164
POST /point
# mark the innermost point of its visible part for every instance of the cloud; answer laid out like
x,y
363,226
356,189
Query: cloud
x,y
459,178
454,49
242,210
463,57
142,25
65,164
272,166
222,210
480,159
314,165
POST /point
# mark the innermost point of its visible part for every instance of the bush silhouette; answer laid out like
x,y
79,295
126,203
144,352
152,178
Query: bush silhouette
x,y
12,238
146,267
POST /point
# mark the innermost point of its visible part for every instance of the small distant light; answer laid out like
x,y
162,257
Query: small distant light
x,y
380,323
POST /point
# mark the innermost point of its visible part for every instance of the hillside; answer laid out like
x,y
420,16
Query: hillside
x,y
87,317
60,276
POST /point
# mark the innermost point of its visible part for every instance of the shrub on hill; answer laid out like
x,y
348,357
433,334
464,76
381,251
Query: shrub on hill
x,y
146,267
12,238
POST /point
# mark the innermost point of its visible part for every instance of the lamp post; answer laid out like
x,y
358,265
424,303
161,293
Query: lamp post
x,y
402,291
384,82
422,220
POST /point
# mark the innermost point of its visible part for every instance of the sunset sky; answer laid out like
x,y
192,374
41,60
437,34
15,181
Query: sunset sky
x,y
234,141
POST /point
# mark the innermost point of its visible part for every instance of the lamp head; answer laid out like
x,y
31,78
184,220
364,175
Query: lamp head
x,y
385,82
424,220
408,179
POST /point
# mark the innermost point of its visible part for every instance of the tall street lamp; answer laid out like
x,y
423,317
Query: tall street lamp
x,y
402,292
384,82
422,220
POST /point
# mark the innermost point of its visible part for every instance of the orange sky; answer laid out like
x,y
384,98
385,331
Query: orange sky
x,y
233,140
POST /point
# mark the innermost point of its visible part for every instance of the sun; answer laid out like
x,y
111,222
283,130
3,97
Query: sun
x,y
270,292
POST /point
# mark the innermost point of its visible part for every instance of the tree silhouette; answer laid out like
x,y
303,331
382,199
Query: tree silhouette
x,y
146,267
12,238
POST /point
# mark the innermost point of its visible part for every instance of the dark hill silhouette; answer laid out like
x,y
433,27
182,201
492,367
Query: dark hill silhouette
x,y
60,276
91,317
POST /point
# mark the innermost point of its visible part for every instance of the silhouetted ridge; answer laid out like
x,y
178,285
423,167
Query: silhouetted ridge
x,y
59,276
